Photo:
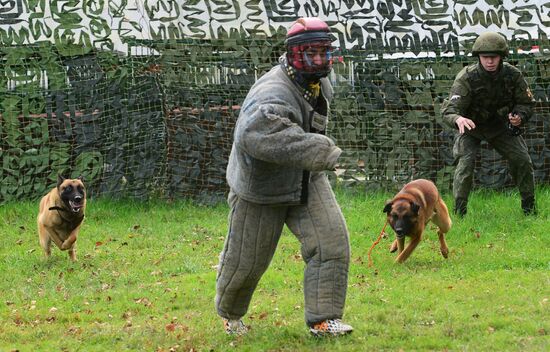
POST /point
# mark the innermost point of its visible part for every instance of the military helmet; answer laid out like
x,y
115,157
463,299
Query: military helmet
x,y
490,43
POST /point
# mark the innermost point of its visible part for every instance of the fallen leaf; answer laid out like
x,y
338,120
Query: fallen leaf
x,y
74,330
126,315
18,320
143,301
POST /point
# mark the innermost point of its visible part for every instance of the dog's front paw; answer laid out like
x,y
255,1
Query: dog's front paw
x,y
66,245
393,246
445,252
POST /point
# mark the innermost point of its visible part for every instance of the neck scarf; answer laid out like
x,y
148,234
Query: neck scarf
x,y
310,90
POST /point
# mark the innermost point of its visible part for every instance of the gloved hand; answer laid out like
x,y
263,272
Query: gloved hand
x,y
514,121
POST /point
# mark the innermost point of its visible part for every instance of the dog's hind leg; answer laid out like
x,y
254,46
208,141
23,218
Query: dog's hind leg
x,y
443,245
45,243
442,219
45,240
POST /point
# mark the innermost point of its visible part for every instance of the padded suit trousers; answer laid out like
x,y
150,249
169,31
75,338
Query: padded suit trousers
x,y
254,231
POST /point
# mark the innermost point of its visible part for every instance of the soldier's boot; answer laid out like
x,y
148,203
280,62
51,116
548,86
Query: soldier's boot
x,y
461,207
528,206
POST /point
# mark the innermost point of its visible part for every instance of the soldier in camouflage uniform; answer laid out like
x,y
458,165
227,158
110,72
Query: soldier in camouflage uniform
x,y
490,100
276,175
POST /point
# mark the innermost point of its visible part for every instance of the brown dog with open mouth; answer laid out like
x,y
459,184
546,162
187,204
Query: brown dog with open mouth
x,y
410,210
61,214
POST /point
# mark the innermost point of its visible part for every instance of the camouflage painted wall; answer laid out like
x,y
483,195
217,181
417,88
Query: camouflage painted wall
x,y
140,97
395,24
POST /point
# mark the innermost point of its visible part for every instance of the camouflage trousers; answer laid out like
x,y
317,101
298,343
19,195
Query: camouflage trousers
x,y
254,231
511,148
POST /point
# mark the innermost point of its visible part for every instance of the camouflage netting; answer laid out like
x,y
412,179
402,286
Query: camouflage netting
x,y
157,121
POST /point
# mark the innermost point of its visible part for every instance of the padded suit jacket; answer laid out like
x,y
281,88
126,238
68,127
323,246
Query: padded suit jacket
x,y
487,99
274,141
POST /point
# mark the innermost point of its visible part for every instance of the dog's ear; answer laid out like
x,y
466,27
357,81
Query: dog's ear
x,y
81,178
387,207
60,180
415,207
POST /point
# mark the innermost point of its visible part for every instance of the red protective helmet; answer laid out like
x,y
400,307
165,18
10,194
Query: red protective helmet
x,y
305,36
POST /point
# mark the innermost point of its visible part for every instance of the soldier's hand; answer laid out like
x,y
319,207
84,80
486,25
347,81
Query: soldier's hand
x,y
515,119
462,123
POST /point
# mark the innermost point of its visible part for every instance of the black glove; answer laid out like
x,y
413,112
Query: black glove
x,y
514,131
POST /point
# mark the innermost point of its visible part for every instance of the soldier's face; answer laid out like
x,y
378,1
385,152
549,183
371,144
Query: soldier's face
x,y
490,62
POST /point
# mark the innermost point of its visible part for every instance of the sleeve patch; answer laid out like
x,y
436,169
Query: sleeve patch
x,y
459,89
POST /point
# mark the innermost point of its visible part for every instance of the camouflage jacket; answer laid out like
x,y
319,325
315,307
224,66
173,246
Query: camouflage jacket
x,y
275,144
487,99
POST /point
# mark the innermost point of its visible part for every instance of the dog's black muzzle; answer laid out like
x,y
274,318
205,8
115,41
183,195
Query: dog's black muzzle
x,y
76,203
402,228
400,233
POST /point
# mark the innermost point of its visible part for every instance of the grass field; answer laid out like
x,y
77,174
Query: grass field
x,y
145,281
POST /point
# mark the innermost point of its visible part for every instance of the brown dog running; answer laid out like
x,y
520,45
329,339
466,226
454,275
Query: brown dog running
x,y
410,210
61,214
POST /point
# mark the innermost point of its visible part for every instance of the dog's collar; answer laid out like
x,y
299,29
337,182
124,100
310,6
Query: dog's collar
x,y
57,208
